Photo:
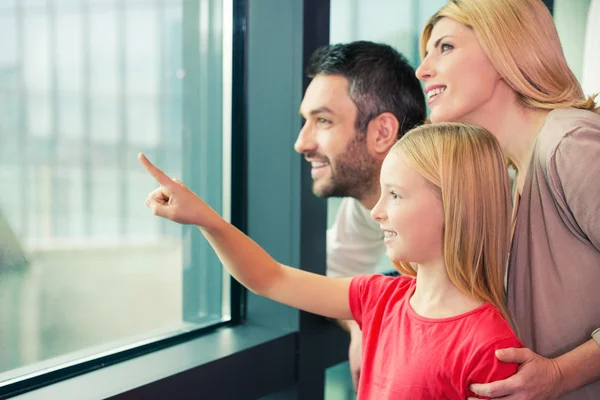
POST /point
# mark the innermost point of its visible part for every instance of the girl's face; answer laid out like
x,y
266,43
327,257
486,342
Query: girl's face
x,y
461,84
409,212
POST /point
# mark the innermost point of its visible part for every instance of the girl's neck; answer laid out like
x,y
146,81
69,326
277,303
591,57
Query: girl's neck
x,y
437,297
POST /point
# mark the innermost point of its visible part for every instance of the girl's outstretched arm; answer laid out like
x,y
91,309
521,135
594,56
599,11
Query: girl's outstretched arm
x,y
246,260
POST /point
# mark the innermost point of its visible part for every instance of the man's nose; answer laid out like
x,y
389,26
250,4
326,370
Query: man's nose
x,y
305,141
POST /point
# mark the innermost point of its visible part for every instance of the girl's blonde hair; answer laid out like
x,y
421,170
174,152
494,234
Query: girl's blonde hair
x,y
465,165
520,39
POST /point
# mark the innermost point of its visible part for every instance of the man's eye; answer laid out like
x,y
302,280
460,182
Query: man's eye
x,y
323,123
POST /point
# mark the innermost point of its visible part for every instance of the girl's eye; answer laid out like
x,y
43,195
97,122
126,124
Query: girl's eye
x,y
394,195
445,47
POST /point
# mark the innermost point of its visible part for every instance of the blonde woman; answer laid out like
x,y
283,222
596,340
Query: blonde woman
x,y
445,208
499,64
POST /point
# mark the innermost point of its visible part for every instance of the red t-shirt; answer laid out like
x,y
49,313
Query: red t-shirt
x,y
407,356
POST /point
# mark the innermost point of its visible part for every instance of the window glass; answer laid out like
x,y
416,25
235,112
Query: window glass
x,y
85,269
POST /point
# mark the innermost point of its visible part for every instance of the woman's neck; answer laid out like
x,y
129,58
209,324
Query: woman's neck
x,y
437,297
516,127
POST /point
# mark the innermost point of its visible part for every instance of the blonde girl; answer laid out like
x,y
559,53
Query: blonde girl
x,y
445,212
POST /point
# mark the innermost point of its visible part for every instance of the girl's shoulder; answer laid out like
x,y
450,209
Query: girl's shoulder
x,y
492,328
477,342
380,283
369,293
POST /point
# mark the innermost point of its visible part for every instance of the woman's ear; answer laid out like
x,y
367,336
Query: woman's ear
x,y
382,132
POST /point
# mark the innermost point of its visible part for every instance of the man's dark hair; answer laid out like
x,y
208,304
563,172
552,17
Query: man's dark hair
x,y
379,80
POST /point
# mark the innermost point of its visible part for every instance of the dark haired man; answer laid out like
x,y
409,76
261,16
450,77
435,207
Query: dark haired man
x,y
362,98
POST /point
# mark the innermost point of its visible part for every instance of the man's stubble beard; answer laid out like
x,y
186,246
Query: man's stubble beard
x,y
356,173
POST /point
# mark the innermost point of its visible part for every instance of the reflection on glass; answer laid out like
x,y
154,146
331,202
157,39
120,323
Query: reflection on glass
x,y
84,87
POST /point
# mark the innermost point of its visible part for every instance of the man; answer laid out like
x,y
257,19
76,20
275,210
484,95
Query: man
x,y
362,98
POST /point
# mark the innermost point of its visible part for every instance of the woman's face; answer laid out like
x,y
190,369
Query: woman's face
x,y
461,84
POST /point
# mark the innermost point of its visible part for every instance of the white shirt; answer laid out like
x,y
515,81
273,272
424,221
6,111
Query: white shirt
x,y
354,242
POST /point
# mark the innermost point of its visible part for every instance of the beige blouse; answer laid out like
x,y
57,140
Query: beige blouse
x,y
554,266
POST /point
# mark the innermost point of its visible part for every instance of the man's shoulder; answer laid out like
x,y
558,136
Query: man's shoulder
x,y
354,209
354,241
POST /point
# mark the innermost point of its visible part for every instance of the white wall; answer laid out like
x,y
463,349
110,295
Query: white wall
x,y
395,22
570,17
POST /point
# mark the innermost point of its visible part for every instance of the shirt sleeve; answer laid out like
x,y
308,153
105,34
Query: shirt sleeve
x,y
486,368
361,295
354,242
367,290
575,173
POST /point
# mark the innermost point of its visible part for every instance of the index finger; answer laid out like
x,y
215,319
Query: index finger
x,y
156,173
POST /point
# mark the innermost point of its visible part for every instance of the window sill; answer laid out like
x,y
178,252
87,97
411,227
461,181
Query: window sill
x,y
235,362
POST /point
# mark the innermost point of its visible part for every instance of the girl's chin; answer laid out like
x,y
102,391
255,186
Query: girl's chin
x,y
394,255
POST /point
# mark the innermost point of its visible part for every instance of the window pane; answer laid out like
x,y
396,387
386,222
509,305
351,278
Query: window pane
x,y
85,86
70,79
571,18
7,4
34,3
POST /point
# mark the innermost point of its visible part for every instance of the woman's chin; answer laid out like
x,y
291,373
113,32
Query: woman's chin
x,y
439,115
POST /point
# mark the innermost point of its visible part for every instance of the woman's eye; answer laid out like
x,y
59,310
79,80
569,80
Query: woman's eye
x,y
445,47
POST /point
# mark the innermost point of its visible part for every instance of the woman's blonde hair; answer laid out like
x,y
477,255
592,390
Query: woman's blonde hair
x,y
465,165
520,39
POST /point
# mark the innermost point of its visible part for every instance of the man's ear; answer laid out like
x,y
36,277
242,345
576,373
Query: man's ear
x,y
382,132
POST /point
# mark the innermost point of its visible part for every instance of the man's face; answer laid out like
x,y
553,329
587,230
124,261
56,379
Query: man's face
x,y
341,163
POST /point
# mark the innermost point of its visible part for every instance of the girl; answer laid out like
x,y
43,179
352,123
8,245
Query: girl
x,y
445,211
499,64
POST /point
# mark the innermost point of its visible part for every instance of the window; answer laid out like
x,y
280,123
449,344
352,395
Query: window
x,y
287,349
576,23
85,269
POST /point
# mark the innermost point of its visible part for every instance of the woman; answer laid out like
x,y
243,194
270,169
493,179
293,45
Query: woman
x,y
499,64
